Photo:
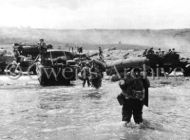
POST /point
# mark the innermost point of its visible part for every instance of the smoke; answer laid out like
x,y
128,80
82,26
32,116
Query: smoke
x,y
164,39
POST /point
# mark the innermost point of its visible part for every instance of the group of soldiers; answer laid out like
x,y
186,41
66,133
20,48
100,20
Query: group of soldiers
x,y
76,49
134,88
91,74
158,52
88,70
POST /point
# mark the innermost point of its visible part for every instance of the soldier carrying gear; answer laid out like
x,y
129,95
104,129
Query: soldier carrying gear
x,y
100,53
85,73
159,52
145,52
173,51
96,75
18,52
150,51
169,51
42,46
134,95
42,49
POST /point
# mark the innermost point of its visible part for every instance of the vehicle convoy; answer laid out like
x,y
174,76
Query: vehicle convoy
x,y
56,67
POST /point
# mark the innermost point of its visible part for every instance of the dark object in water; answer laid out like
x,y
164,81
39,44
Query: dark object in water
x,y
169,62
121,99
56,68
100,64
96,82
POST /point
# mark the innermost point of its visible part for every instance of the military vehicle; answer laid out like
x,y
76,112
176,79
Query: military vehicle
x,y
56,67
25,55
160,64
5,58
124,65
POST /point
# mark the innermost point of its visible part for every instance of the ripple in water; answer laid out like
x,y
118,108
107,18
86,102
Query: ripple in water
x,y
31,112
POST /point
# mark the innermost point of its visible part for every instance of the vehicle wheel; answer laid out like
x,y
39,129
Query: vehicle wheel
x,y
32,69
13,71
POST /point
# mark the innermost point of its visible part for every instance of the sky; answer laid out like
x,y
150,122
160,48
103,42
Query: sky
x,y
87,14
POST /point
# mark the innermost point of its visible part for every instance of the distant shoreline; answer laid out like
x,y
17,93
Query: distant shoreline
x,y
107,38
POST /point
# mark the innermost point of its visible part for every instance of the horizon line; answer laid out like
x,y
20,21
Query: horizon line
x,y
154,29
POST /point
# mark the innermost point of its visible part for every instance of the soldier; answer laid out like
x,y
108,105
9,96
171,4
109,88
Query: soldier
x,y
169,51
159,51
163,54
134,95
17,52
42,49
42,46
145,52
151,51
17,55
96,75
78,50
85,73
72,49
81,49
173,51
100,53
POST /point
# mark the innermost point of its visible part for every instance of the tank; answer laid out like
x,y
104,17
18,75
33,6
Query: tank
x,y
56,67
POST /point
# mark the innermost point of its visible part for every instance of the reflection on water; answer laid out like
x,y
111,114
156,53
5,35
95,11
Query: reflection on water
x,y
31,112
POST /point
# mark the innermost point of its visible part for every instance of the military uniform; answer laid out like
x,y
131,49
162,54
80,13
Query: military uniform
x,y
42,49
85,73
133,97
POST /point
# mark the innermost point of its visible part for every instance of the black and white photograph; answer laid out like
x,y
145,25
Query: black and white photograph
x,y
94,70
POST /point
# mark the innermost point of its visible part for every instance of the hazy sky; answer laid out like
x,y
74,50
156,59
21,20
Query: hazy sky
x,y
84,14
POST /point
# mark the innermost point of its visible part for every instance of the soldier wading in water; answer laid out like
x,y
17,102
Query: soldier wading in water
x,y
134,95
85,73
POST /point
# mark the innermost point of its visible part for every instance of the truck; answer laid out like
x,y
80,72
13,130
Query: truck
x,y
56,67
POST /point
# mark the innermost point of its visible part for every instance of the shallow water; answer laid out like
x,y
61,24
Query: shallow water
x,y
31,112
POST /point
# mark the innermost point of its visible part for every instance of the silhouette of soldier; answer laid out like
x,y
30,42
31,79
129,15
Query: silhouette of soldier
x,y
85,73
42,46
100,53
134,95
